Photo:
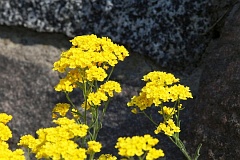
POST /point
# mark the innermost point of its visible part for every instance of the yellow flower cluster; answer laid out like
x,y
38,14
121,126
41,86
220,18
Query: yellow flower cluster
x,y
159,88
5,134
109,87
64,85
94,146
140,101
69,82
96,73
95,98
4,118
162,78
169,128
74,113
57,143
138,146
5,131
87,60
167,111
107,157
61,109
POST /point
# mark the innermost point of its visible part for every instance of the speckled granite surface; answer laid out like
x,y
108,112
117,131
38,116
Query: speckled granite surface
x,y
170,32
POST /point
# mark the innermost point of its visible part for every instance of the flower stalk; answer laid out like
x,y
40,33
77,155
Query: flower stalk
x,y
160,88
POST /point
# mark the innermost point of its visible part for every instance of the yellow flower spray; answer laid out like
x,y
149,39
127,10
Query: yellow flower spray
x,y
87,66
160,88
6,134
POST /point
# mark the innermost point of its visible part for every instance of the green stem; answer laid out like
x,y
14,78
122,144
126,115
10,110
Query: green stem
x,y
197,153
96,124
142,157
91,156
105,108
177,141
28,154
150,118
85,100
180,145
70,101
73,106
110,74
96,85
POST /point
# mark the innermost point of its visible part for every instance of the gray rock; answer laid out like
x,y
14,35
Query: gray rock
x,y
26,85
24,96
173,33
26,79
216,122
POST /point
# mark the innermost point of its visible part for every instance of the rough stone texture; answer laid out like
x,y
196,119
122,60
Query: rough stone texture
x,y
27,81
26,85
26,91
216,122
173,33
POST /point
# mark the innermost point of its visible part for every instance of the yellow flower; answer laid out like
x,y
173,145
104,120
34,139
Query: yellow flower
x,y
109,87
157,93
75,113
7,154
65,149
88,51
5,132
4,118
180,107
150,141
154,154
72,127
30,142
107,157
140,101
64,121
135,146
61,108
169,128
159,88
76,75
87,106
70,81
162,78
179,92
96,73
56,142
121,52
168,111
94,146
87,60
64,85
96,98
166,129
134,110
105,67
